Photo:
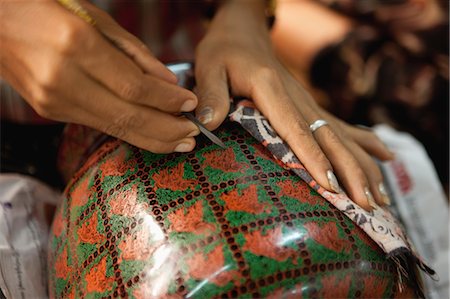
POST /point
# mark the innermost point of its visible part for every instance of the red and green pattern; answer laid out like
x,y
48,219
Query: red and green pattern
x,y
211,223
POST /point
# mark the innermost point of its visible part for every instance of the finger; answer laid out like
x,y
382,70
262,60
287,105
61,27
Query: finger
x,y
129,44
371,143
125,130
372,172
275,104
144,127
365,138
156,93
212,92
351,175
120,75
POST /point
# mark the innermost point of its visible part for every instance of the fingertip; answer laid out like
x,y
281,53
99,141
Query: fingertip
x,y
370,203
164,73
211,116
363,197
171,77
213,95
186,145
321,170
390,155
189,128
384,153
205,115
371,143
333,182
194,133
384,194
189,105
158,69
381,150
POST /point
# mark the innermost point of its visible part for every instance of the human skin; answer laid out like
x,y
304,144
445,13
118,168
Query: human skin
x,y
244,62
59,63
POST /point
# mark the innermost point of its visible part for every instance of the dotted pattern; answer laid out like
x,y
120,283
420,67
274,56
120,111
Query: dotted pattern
x,y
309,271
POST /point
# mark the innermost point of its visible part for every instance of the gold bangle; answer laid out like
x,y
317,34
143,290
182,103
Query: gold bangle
x,y
75,7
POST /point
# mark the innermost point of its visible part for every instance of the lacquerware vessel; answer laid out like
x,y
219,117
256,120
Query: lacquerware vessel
x,y
213,223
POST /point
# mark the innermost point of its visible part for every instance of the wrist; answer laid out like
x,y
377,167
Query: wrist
x,y
246,14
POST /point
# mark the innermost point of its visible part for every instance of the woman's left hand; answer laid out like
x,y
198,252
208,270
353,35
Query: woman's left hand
x,y
236,56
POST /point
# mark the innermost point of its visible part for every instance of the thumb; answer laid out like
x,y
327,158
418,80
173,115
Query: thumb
x,y
212,93
129,44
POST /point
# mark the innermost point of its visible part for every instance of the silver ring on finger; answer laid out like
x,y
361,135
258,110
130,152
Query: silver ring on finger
x,y
317,124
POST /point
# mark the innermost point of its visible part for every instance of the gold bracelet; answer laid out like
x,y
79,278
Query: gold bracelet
x,y
75,7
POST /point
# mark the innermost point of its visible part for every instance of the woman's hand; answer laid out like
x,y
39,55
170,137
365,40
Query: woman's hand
x,y
236,55
68,71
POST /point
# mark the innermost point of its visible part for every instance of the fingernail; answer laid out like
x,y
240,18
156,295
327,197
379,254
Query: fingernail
x,y
183,147
205,115
193,133
392,153
384,194
189,105
369,197
332,180
388,149
364,127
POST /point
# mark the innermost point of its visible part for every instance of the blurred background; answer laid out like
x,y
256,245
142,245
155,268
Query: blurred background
x,y
374,61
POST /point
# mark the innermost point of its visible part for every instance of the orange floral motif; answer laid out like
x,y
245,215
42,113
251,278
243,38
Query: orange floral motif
x,y
80,193
136,247
333,287
297,190
93,159
116,165
88,233
224,160
245,202
96,280
269,245
327,235
61,267
172,178
124,203
58,223
211,267
71,295
191,221
374,287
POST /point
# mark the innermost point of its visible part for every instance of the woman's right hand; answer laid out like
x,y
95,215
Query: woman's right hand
x,y
68,71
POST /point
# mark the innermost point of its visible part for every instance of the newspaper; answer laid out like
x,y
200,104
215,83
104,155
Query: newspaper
x,y
420,203
24,228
